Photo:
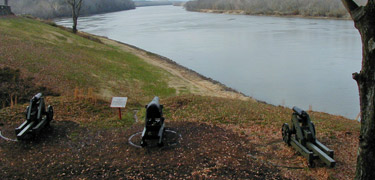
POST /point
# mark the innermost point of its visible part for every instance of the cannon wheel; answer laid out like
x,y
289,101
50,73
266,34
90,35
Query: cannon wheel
x,y
313,125
286,133
26,111
143,143
161,144
50,113
311,164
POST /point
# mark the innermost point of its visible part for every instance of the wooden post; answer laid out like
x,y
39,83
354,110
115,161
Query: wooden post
x,y
119,113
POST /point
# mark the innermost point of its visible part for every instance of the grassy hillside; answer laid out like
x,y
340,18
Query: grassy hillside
x,y
221,137
62,61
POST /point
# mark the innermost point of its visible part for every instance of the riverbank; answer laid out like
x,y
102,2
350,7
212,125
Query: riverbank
x,y
183,78
275,14
224,134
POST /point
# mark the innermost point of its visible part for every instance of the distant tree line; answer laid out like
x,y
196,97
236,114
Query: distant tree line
x,y
323,8
60,8
151,3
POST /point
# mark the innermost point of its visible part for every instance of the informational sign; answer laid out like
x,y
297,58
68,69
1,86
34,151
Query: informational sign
x,y
119,102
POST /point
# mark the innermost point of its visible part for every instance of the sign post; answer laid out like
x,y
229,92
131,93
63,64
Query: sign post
x,y
119,102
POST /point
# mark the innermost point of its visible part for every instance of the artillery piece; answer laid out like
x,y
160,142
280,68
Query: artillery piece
x,y
36,118
301,135
154,123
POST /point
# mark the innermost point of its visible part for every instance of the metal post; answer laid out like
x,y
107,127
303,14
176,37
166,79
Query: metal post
x,y
119,113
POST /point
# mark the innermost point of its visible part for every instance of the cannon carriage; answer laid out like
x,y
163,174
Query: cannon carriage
x,y
154,123
37,118
301,136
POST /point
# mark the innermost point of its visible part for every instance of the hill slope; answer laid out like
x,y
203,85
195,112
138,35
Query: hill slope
x,y
62,61
224,135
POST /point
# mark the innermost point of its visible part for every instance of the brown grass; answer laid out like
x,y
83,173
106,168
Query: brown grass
x,y
223,138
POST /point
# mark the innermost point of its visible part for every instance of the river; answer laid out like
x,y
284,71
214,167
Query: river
x,y
280,60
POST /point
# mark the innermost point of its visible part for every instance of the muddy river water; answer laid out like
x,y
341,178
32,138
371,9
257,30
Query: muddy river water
x,y
279,60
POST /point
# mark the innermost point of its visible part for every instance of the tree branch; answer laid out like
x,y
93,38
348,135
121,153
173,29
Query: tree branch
x,y
79,5
356,76
70,2
350,5
355,11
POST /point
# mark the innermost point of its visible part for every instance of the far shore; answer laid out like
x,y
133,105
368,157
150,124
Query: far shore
x,y
242,12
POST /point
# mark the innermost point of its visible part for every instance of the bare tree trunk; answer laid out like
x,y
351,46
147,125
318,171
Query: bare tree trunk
x,y
364,21
76,8
75,21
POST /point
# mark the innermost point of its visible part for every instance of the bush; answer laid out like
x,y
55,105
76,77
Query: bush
x,y
14,88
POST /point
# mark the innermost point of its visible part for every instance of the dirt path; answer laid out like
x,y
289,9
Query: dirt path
x,y
183,79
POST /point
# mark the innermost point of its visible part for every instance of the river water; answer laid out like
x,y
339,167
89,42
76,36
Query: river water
x,y
282,61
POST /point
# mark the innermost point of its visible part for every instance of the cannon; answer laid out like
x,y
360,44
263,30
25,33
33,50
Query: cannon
x,y
302,137
37,118
154,123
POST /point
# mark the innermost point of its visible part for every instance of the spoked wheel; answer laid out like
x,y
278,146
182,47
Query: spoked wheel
x,y
27,111
286,133
313,126
311,164
143,143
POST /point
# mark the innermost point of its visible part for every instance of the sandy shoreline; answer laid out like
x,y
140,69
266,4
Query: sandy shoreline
x,y
183,78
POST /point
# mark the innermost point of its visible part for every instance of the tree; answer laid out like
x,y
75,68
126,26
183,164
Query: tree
x,y
364,21
76,8
6,2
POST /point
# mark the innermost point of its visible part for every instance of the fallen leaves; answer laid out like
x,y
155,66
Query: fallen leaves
x,y
246,145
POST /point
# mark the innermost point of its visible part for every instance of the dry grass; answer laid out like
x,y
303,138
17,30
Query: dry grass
x,y
62,61
261,125
222,138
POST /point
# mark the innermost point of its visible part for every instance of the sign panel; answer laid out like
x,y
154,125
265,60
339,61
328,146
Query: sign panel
x,y
119,102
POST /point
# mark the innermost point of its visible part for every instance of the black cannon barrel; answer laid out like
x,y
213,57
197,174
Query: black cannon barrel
x,y
154,109
33,106
299,111
154,101
36,118
154,122
37,96
302,136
